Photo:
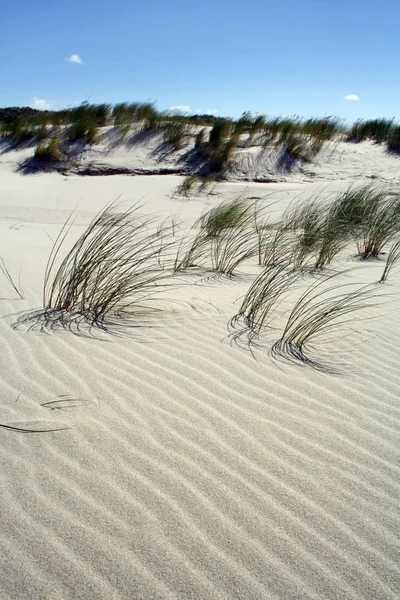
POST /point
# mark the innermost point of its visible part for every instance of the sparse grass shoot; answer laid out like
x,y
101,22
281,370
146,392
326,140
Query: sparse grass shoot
x,y
16,286
393,257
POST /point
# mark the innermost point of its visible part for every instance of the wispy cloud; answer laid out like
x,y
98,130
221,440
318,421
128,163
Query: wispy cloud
x,y
351,97
212,111
181,108
75,58
41,103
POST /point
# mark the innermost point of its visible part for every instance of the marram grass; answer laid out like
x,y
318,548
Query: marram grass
x,y
224,240
117,265
392,259
321,310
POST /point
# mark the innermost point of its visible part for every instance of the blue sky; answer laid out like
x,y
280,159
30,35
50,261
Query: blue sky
x,y
279,58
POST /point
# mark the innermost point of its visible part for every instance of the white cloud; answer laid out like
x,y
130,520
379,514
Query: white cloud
x,y
352,97
181,108
75,58
41,104
212,111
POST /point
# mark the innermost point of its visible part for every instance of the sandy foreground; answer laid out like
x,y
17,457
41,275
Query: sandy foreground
x,y
188,468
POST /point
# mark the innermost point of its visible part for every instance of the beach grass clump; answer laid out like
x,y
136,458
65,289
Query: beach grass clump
x,y
253,125
224,240
148,116
221,145
124,113
320,311
324,129
85,120
200,139
98,113
250,124
144,114
298,146
333,239
233,242
230,249
267,291
275,238
377,130
20,131
279,126
60,118
298,139
227,215
319,233
219,160
393,140
192,251
222,253
123,116
41,132
219,133
83,130
175,132
307,222
49,151
382,224
113,267
276,244
369,215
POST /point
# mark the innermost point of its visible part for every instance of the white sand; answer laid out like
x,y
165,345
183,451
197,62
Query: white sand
x,y
192,470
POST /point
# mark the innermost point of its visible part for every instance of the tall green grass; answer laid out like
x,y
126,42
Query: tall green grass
x,y
226,215
295,139
275,244
320,311
225,239
50,151
221,146
85,120
377,130
299,139
200,139
369,215
20,131
175,133
366,215
392,259
267,292
124,113
197,184
112,268
393,140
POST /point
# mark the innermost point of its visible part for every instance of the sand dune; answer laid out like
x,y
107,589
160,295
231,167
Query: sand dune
x,y
185,468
